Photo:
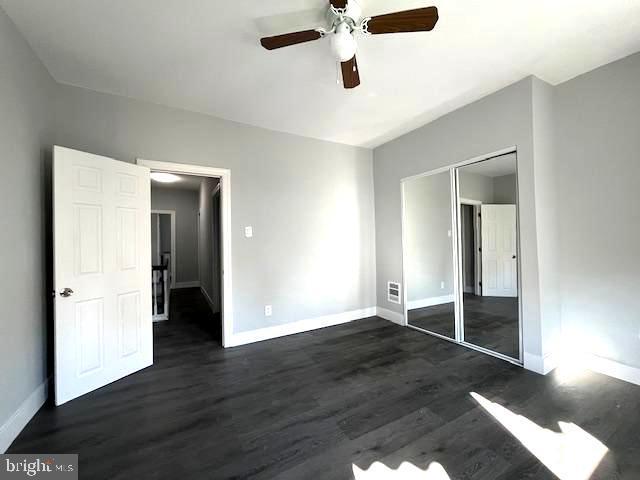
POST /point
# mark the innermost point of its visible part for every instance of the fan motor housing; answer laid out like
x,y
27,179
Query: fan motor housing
x,y
353,12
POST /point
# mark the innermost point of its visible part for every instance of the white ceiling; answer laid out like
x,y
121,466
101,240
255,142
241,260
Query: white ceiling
x,y
204,55
494,167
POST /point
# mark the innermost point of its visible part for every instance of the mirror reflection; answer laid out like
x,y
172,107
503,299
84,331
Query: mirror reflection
x,y
487,206
429,253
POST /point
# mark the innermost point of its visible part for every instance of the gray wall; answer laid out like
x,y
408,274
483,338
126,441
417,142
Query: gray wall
x,y
473,186
505,190
498,121
208,243
25,152
310,202
185,204
598,166
495,190
429,246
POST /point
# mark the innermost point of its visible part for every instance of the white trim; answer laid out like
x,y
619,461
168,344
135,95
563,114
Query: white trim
x,y
386,314
468,201
498,153
539,364
208,299
225,207
194,284
172,213
244,338
613,369
431,301
25,412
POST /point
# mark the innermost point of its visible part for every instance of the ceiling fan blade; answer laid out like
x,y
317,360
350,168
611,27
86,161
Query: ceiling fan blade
x,y
419,20
338,3
288,39
350,73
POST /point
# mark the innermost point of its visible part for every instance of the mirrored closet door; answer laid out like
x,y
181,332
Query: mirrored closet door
x,y
429,252
488,244
460,242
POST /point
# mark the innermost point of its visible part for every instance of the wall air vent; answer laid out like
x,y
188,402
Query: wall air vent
x,y
393,292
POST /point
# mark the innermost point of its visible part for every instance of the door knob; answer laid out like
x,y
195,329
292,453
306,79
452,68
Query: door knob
x,y
67,292
513,257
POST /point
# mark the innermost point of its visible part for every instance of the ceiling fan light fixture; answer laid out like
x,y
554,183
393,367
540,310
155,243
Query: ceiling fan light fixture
x,y
343,44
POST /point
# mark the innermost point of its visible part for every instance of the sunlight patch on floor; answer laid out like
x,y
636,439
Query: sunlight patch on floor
x,y
571,454
406,471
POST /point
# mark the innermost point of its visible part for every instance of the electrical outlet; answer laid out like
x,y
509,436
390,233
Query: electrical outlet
x,y
248,232
268,310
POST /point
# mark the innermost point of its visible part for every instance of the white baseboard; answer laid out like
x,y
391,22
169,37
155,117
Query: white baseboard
x,y
244,338
25,412
539,364
209,301
613,369
390,315
187,285
429,302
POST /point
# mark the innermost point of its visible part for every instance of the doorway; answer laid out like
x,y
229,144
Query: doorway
x,y
461,255
163,261
214,257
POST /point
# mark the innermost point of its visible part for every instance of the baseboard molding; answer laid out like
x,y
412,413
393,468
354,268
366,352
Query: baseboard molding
x,y
208,299
613,369
25,412
429,302
268,333
186,285
540,364
390,315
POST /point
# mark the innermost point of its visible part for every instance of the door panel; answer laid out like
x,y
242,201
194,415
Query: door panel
x,y
499,267
103,330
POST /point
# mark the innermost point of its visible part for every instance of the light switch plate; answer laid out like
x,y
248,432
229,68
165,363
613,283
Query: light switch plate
x,y
248,232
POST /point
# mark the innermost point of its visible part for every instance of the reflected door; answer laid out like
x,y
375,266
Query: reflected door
x,y
499,268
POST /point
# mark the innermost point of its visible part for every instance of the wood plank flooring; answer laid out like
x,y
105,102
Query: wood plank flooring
x,y
311,406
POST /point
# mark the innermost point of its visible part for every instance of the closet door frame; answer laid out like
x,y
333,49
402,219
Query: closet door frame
x,y
456,245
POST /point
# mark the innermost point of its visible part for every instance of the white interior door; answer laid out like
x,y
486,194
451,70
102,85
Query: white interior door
x,y
499,249
102,256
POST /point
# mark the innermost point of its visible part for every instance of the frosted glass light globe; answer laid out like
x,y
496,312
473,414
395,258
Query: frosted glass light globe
x,y
343,44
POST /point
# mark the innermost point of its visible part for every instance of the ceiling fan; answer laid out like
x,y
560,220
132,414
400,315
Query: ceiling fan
x,y
345,18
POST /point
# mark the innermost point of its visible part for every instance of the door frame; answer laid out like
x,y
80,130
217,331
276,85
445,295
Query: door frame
x,y
173,242
477,238
224,175
457,264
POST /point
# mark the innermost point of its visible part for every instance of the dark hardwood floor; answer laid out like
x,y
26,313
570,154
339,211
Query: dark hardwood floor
x,y
311,406
489,322
492,322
